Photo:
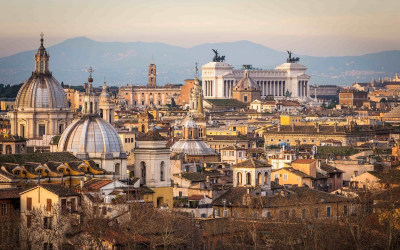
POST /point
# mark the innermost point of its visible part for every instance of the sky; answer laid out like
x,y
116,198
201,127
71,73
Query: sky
x,y
307,27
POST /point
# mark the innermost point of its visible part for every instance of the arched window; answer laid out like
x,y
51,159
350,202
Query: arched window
x,y
143,172
239,178
8,150
266,178
117,169
259,179
91,107
248,179
162,171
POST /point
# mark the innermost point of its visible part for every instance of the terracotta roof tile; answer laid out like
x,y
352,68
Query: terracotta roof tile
x,y
252,163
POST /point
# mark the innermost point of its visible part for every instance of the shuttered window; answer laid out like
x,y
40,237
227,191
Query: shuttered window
x,y
28,203
48,207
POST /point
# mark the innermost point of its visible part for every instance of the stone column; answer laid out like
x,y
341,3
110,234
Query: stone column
x,y
306,86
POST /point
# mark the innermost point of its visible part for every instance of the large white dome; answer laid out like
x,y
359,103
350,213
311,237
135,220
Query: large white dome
x,y
91,137
41,91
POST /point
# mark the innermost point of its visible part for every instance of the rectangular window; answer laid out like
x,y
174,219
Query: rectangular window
x,y
328,211
224,153
73,204
29,204
240,154
316,213
285,176
276,176
63,205
3,209
61,129
42,129
48,207
47,222
303,214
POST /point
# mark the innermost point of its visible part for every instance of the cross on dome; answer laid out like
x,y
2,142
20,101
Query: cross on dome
x,y
90,70
41,38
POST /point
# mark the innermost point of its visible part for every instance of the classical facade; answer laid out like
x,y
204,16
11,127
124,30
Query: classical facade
x,y
288,79
92,137
41,105
347,135
144,96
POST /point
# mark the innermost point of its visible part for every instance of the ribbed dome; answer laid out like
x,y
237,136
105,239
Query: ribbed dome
x,y
41,91
91,136
192,147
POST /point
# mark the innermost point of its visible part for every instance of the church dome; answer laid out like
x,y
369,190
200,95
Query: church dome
x,y
41,90
246,83
91,137
192,147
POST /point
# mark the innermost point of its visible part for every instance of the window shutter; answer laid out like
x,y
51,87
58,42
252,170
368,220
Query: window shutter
x,y
28,203
48,205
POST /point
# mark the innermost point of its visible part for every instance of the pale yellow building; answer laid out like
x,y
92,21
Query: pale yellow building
x,y
291,176
46,211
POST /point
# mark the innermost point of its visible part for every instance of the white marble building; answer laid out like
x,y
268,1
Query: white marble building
x,y
219,79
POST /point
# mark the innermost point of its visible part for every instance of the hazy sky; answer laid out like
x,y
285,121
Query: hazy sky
x,y
312,27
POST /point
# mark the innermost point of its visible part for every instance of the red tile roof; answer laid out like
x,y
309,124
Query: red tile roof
x,y
195,197
96,184
9,194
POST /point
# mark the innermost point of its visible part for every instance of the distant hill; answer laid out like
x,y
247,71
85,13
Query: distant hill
x,y
123,63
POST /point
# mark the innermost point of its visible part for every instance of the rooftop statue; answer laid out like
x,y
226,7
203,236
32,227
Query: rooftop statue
x,y
216,57
291,59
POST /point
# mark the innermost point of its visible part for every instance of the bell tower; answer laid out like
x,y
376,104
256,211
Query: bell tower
x,y
152,76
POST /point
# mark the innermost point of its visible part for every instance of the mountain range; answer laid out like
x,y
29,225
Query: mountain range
x,y
122,63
